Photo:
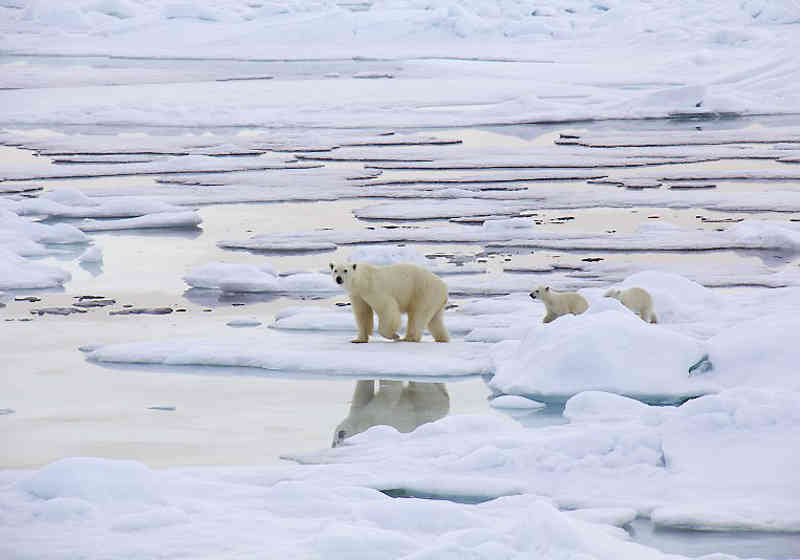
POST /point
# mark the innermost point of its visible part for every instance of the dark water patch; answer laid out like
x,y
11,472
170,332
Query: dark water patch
x,y
744,544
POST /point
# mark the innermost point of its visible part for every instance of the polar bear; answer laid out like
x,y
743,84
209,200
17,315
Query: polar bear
x,y
559,303
391,291
402,407
637,300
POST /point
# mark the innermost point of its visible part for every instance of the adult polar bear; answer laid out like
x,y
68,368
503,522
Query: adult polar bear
x,y
391,291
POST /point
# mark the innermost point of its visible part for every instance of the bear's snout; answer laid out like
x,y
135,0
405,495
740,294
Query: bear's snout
x,y
339,280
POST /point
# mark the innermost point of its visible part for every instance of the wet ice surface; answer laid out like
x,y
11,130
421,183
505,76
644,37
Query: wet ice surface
x,y
208,372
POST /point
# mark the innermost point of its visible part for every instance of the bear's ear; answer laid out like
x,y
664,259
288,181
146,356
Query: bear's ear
x,y
331,266
547,288
354,266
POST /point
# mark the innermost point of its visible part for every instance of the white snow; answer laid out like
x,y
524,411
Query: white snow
x,y
168,86
91,255
607,351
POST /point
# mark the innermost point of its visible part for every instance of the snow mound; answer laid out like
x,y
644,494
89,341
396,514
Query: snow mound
x,y
91,255
99,481
675,298
607,351
767,234
762,352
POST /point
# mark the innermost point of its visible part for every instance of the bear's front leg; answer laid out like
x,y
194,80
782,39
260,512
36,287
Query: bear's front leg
x,y
364,318
549,317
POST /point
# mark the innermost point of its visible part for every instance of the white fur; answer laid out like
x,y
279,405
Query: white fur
x,y
559,303
391,291
402,407
637,300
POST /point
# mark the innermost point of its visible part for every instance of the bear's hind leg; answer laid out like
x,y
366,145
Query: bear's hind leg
x,y
389,319
437,328
364,320
416,322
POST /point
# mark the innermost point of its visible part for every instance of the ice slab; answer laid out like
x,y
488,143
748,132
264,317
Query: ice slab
x,y
184,219
17,273
167,165
308,354
696,138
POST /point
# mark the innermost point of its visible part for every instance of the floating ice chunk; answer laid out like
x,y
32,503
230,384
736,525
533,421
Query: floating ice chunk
x,y
91,255
244,322
117,207
733,515
766,234
307,282
514,401
18,273
16,230
608,351
264,283
508,224
184,219
212,274
69,197
325,355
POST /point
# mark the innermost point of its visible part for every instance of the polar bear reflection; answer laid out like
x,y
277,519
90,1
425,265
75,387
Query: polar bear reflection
x,y
403,407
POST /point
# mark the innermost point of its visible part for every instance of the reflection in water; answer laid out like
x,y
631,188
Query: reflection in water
x,y
395,404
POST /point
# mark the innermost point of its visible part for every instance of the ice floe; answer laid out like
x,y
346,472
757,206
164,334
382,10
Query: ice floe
x,y
140,512
607,351
686,467
184,219
320,355
18,273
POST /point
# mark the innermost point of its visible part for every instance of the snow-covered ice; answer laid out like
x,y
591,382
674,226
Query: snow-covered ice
x,y
128,114
309,354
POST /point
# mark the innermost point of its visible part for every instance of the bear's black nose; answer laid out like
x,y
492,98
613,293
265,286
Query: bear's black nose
x,y
338,279
533,296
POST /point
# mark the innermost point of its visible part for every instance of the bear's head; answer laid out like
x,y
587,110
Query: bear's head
x,y
341,273
613,293
540,292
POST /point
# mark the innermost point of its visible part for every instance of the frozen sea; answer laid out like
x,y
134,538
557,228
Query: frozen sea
x,y
177,378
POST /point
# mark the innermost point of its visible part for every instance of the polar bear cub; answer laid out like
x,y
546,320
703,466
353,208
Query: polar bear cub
x,y
391,291
637,300
559,303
